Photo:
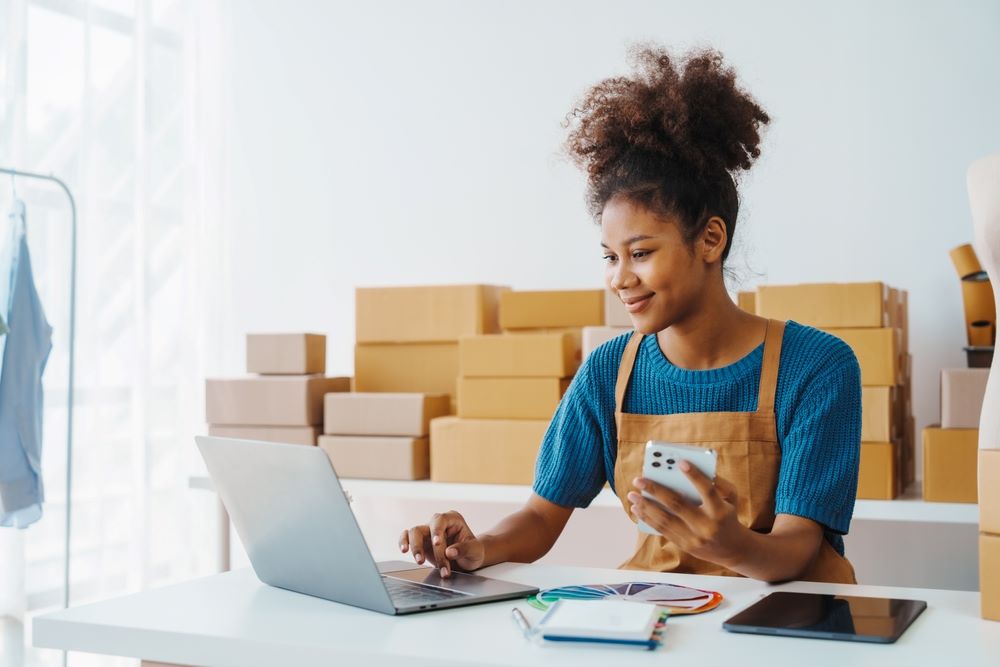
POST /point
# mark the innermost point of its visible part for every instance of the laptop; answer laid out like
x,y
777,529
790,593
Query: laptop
x,y
298,529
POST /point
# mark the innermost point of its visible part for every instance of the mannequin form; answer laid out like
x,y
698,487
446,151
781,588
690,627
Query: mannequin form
x,y
984,200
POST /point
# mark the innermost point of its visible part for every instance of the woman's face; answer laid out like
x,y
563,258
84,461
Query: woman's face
x,y
649,266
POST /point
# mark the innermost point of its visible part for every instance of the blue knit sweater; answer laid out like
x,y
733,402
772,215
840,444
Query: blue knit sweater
x,y
817,405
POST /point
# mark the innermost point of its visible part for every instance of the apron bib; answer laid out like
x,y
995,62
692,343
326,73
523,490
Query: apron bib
x,y
749,457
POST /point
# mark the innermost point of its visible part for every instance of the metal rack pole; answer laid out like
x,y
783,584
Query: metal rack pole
x,y
72,341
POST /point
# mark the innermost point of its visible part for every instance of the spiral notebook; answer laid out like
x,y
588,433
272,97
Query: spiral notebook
x,y
608,621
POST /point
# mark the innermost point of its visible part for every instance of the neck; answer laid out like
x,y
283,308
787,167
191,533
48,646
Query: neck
x,y
717,334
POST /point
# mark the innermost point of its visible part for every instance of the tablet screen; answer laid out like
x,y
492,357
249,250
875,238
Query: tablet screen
x,y
822,616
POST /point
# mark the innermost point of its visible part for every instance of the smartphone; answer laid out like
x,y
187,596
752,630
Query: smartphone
x,y
659,463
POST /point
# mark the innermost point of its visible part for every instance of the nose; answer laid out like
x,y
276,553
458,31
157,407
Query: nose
x,y
620,277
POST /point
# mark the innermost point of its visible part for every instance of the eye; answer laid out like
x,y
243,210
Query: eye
x,y
610,259
639,254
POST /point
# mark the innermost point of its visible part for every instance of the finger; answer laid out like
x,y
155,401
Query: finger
x,y
669,499
404,541
726,489
461,554
440,525
709,495
418,538
659,518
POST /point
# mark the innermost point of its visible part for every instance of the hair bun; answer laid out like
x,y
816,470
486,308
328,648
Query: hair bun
x,y
690,113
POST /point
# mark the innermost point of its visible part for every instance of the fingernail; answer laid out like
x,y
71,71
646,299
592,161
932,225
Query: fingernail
x,y
436,539
634,509
419,557
444,572
684,465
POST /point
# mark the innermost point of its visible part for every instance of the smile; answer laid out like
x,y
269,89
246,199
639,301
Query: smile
x,y
637,304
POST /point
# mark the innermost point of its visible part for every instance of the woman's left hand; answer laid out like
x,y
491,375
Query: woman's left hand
x,y
710,531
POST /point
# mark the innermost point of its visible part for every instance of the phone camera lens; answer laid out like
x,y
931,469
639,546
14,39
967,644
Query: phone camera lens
x,y
670,461
656,464
657,454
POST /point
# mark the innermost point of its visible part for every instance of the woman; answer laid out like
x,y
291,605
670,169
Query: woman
x,y
780,403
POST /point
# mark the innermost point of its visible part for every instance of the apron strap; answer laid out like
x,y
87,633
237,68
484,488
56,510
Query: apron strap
x,y
769,366
625,369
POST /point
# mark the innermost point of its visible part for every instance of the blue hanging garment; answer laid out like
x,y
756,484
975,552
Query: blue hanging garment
x,y
24,352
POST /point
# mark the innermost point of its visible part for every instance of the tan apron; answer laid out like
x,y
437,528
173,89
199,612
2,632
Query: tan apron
x,y
749,457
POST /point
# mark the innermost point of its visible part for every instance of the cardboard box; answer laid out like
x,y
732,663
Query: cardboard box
x,y
286,354
555,355
562,308
275,400
486,451
962,392
910,444
425,314
383,413
594,337
377,457
904,317
509,398
426,368
989,490
877,475
826,305
747,301
989,575
876,350
950,459
292,435
615,313
879,408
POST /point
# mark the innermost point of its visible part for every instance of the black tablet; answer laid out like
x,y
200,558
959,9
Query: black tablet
x,y
818,616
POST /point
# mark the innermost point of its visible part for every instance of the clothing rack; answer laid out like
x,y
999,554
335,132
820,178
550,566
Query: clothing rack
x,y
72,341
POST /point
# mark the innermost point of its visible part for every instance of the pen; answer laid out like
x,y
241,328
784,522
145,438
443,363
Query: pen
x,y
521,622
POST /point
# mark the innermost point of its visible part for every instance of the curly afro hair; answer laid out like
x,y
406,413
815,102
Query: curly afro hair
x,y
671,138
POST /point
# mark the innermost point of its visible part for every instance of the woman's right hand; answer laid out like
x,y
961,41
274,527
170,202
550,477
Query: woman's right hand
x,y
447,539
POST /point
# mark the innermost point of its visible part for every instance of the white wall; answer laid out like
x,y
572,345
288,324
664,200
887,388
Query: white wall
x,y
418,142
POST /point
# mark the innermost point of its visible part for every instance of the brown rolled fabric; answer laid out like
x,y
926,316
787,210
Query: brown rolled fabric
x,y
980,306
981,333
965,261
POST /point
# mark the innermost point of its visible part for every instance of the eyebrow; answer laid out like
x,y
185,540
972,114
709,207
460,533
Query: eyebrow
x,y
634,239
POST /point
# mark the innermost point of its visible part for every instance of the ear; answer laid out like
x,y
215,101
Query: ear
x,y
713,239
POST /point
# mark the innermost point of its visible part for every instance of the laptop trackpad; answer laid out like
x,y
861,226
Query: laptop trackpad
x,y
468,583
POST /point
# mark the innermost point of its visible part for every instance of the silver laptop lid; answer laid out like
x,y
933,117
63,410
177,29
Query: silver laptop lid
x,y
294,519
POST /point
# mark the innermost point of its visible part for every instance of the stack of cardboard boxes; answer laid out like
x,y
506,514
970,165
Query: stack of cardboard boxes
x,y
407,337
616,322
510,386
950,448
872,318
284,402
381,436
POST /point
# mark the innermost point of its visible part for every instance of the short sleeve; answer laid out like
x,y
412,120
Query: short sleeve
x,y
569,470
820,453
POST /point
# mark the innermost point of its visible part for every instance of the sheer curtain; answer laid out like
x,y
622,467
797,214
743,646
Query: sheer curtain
x,y
124,100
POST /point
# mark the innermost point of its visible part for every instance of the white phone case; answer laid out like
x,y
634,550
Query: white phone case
x,y
659,464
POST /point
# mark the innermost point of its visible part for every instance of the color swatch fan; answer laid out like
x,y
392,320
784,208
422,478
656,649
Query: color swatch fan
x,y
676,599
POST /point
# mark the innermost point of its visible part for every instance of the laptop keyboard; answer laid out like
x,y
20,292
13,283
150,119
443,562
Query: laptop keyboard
x,y
407,591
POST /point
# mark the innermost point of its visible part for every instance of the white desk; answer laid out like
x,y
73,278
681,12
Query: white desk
x,y
233,619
